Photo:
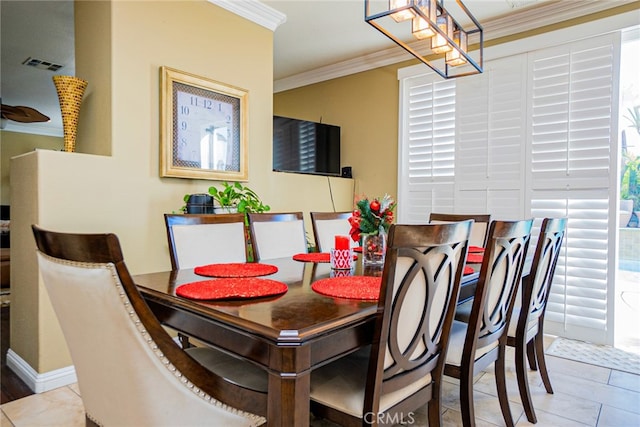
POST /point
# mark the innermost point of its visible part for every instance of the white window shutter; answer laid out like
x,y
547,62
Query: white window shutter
x,y
427,147
491,117
570,163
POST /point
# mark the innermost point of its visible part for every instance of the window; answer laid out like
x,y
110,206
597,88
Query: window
x,y
530,137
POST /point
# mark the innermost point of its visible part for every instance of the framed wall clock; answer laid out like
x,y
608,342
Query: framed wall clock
x,y
203,129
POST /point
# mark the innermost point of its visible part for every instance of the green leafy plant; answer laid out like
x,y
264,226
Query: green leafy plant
x,y
236,195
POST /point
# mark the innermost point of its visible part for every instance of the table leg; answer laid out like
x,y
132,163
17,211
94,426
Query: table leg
x,y
289,387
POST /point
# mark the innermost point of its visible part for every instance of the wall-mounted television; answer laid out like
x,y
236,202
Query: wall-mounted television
x,y
303,146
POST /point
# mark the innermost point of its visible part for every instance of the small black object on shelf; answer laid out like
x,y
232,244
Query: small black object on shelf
x,y
200,204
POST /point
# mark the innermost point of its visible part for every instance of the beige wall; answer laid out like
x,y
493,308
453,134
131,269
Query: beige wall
x,y
15,143
122,192
365,106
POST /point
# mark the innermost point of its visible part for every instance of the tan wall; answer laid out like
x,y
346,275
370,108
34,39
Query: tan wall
x,y
123,193
365,106
15,143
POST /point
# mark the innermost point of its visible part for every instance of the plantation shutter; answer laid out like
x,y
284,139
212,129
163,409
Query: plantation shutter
x,y
427,147
573,100
490,136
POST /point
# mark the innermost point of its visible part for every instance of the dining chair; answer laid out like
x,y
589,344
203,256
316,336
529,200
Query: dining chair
x,y
476,344
326,225
526,327
478,231
129,370
277,235
402,370
196,239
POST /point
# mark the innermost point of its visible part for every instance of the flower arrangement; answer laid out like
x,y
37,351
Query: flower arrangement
x,y
371,217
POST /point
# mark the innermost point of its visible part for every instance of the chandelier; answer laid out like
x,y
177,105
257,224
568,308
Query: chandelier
x,y
438,37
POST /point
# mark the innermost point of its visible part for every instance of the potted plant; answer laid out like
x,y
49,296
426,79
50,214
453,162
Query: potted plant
x,y
235,197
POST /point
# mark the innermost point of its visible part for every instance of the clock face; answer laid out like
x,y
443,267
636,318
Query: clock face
x,y
205,128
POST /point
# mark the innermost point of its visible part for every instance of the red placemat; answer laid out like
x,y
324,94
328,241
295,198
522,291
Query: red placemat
x,y
357,249
315,257
476,249
468,270
236,269
354,287
474,258
229,288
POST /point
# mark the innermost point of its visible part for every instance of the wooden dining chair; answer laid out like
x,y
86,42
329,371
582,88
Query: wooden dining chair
x,y
527,321
196,239
129,370
327,225
277,235
402,370
482,341
478,231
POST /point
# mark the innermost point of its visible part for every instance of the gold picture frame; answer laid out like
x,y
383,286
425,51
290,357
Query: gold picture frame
x,y
203,128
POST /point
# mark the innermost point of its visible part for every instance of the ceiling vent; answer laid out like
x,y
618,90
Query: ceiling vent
x,y
41,64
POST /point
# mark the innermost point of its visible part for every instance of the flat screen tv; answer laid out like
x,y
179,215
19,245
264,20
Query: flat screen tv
x,y
302,146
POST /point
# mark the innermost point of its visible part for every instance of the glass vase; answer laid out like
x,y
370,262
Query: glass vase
x,y
373,249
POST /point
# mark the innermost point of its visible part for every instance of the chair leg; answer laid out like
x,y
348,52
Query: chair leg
x,y
539,345
434,409
466,399
523,384
531,355
501,385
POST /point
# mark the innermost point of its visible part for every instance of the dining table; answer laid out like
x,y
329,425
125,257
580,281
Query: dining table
x,y
289,334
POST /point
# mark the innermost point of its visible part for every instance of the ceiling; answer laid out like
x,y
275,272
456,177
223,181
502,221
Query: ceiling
x,y
316,35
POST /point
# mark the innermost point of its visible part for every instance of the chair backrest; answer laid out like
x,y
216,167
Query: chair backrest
x,y
535,290
327,225
130,371
478,231
204,239
277,235
420,287
498,282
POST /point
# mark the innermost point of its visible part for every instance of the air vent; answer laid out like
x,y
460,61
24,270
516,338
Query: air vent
x,y
42,65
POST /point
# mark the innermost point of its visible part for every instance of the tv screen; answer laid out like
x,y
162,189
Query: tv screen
x,y
305,147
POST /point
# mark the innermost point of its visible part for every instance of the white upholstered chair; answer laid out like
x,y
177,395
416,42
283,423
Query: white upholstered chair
x,y
402,370
327,225
277,235
526,327
130,371
196,239
478,231
476,344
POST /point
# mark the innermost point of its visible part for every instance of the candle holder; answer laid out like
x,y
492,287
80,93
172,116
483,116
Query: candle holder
x,y
341,259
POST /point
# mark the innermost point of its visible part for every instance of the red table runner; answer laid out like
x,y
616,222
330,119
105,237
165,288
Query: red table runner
x,y
354,287
240,269
231,288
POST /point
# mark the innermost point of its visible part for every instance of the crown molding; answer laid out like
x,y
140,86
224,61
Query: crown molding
x,y
255,11
548,13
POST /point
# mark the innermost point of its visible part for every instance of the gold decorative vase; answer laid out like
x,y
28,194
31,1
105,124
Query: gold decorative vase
x,y
70,92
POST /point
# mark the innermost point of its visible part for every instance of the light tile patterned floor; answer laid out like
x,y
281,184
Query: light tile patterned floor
x,y
585,395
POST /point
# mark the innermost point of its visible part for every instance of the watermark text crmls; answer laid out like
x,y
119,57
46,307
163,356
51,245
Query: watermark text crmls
x,y
384,418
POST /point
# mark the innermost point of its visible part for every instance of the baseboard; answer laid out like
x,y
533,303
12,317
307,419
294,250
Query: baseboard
x,y
40,382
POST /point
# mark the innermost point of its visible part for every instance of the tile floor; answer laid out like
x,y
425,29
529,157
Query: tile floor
x,y
585,395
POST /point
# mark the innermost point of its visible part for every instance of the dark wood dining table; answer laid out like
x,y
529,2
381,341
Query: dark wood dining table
x,y
288,335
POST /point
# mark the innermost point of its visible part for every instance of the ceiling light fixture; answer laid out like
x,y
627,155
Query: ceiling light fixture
x,y
438,37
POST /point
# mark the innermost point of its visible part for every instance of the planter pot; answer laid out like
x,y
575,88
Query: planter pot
x,y
225,210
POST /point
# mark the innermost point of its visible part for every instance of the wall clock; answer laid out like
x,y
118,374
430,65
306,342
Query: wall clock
x,y
203,128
